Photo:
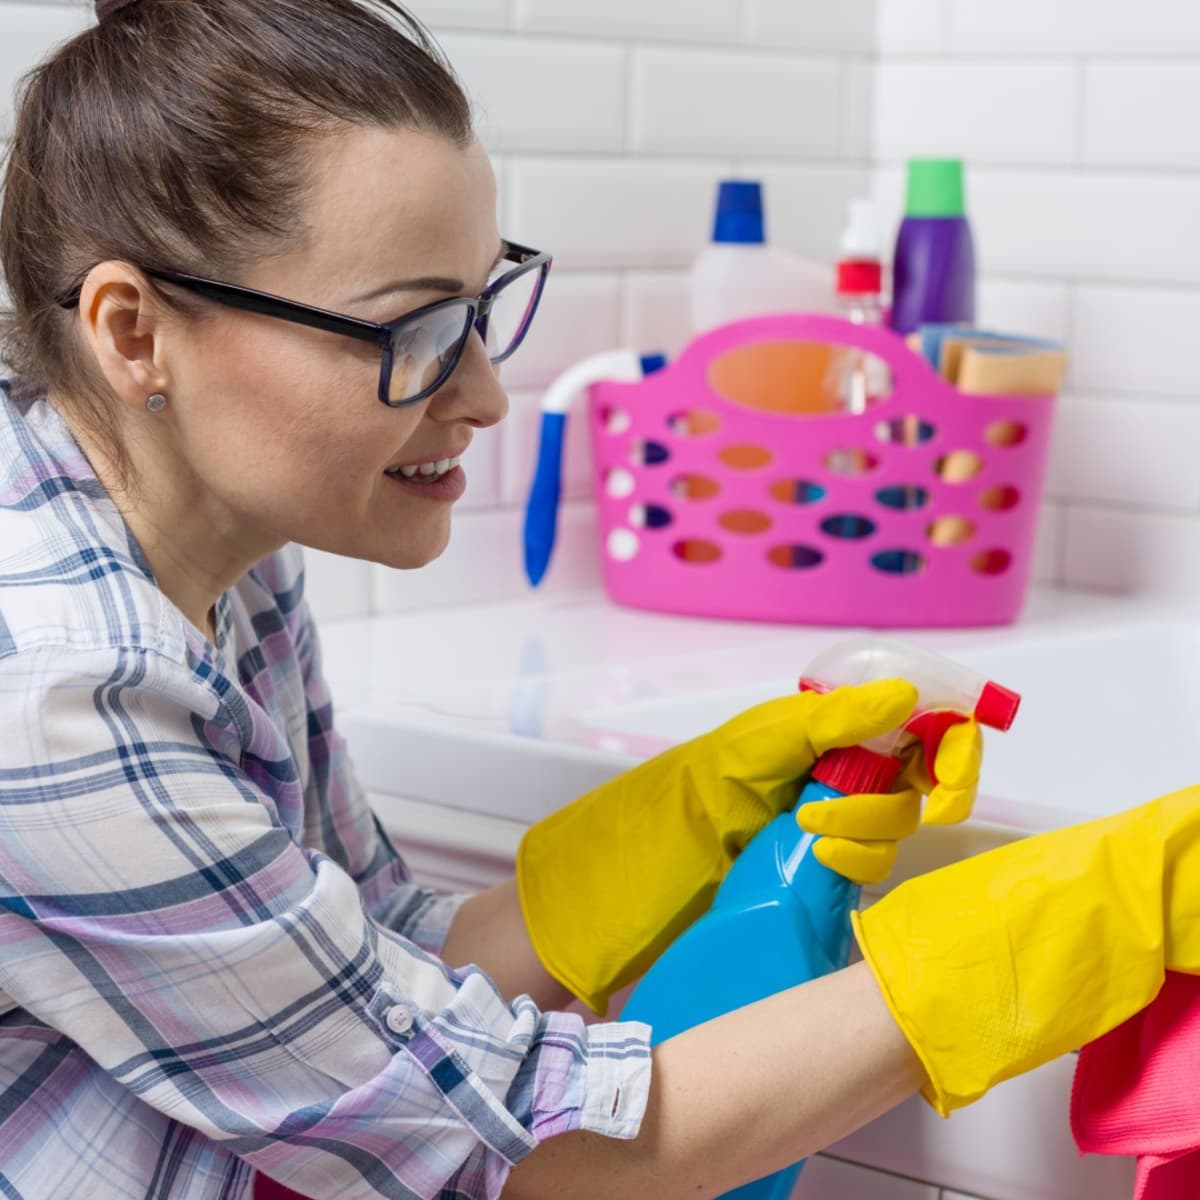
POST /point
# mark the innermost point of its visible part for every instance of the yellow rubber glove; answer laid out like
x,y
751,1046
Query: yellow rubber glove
x,y
1004,961
609,881
860,834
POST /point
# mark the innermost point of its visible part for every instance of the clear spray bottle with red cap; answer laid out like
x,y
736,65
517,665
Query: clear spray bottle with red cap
x,y
857,379
781,917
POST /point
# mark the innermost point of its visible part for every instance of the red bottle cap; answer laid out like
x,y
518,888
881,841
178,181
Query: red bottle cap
x,y
997,707
856,769
859,277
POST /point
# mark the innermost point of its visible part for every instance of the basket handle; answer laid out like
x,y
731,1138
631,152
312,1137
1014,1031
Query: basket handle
x,y
909,369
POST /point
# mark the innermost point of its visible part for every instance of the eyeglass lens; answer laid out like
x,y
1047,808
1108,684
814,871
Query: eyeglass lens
x,y
423,353
511,313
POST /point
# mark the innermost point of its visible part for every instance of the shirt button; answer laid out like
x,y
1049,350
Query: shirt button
x,y
399,1019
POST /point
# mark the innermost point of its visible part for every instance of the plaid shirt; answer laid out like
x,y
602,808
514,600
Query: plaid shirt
x,y
212,961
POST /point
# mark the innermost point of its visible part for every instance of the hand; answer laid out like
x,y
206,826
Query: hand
x,y
609,881
860,834
1002,962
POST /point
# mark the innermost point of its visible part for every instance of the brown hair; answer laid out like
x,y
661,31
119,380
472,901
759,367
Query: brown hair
x,y
172,134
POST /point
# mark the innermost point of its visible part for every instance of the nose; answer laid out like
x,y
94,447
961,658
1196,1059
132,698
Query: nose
x,y
472,393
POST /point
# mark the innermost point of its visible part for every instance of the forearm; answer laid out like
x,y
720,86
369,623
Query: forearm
x,y
489,931
742,1096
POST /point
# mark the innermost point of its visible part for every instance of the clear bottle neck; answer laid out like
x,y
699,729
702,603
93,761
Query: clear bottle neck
x,y
862,308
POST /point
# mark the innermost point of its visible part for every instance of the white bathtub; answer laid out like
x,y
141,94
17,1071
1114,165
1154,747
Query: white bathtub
x,y
469,723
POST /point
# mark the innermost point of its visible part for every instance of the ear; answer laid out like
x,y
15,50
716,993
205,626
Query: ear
x,y
122,323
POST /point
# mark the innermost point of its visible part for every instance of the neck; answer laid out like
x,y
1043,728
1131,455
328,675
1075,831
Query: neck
x,y
195,545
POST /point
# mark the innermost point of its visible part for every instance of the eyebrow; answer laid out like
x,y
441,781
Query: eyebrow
x,y
425,283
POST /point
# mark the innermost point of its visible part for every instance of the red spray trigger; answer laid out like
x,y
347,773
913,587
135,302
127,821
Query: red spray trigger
x,y
951,694
996,708
931,727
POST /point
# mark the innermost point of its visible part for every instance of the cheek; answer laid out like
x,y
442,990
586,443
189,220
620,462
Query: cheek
x,y
286,419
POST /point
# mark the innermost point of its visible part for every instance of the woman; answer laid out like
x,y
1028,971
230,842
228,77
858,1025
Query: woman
x,y
259,297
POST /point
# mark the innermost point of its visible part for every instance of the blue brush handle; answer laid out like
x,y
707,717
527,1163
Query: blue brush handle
x,y
541,513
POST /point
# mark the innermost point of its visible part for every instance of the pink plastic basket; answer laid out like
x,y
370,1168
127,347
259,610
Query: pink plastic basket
x,y
796,539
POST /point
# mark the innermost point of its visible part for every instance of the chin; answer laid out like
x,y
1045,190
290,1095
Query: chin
x,y
417,552
406,549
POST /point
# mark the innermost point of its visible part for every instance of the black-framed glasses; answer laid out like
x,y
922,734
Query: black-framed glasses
x,y
418,351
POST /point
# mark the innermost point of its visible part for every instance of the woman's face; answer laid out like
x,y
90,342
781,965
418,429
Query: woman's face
x,y
280,425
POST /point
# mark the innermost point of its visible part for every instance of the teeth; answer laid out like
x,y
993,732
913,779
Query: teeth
x,y
428,470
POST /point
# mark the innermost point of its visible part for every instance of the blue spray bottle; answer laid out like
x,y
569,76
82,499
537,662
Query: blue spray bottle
x,y
781,918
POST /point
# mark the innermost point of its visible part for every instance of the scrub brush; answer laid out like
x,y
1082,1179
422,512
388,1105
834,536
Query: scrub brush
x,y
541,511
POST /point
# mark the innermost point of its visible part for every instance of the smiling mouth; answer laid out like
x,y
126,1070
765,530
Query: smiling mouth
x,y
427,472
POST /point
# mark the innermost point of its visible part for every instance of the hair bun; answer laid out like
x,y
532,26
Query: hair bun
x,y
106,8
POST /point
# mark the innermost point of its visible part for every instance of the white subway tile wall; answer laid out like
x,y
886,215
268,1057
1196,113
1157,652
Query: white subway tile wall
x,y
1130,548
1083,185
848,25
656,311
1037,101
610,124
606,214
858,121
696,21
29,32
1077,224
1095,458
335,586
466,14
1047,548
1111,28
909,27
586,79
1140,114
483,562
1026,306
518,452
735,102
1134,339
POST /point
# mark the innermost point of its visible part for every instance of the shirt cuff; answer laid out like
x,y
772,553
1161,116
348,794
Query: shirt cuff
x,y
579,1076
617,1084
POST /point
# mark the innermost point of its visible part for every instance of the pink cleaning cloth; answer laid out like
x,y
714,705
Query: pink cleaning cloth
x,y
1137,1092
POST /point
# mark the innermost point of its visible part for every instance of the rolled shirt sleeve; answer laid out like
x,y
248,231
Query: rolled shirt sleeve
x,y
285,1001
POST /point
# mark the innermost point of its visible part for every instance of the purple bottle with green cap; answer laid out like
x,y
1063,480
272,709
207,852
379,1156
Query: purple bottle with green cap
x,y
933,270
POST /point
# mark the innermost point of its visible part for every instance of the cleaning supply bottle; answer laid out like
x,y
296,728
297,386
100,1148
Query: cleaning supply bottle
x,y
781,918
933,269
738,274
856,378
858,277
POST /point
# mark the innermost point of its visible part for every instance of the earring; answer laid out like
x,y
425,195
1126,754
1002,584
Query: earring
x,y
157,402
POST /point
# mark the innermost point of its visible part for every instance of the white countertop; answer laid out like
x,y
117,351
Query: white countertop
x,y
512,708
467,724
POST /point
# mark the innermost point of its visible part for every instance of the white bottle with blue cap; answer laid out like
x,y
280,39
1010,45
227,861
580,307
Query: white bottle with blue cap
x,y
739,275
